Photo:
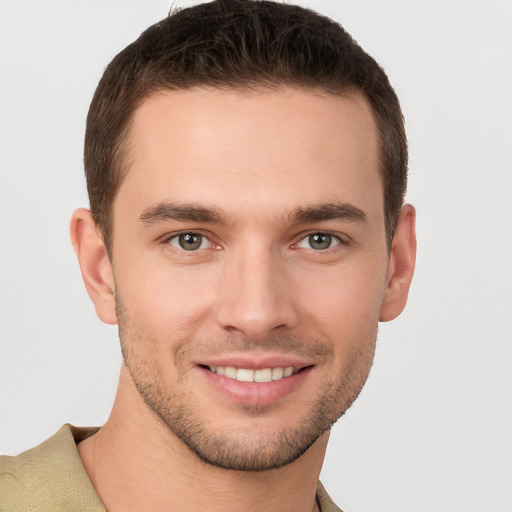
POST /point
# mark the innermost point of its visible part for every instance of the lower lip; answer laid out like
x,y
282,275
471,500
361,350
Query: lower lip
x,y
255,393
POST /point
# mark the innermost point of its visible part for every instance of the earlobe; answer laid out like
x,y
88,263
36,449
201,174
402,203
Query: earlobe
x,y
94,264
401,265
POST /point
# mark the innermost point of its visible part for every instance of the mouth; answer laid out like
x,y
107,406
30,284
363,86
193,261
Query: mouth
x,y
261,375
255,383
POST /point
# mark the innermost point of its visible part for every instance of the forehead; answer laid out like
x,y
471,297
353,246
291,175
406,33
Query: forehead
x,y
276,149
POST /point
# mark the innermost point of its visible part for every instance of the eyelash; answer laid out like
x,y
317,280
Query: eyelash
x,y
333,238
176,236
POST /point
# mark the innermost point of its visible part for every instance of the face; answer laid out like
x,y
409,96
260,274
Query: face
x,y
250,264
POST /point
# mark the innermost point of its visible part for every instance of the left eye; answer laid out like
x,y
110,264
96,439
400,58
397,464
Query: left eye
x,y
319,241
189,241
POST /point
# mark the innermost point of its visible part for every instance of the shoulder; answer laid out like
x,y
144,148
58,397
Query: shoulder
x,y
49,477
325,502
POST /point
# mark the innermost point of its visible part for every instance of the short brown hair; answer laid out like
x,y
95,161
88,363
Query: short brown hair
x,y
237,44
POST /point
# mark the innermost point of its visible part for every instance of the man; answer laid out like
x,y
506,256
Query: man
x,y
246,165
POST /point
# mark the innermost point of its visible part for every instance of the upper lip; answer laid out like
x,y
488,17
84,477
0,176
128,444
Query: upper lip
x,y
256,363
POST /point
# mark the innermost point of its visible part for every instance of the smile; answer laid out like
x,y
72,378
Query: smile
x,y
263,384
248,375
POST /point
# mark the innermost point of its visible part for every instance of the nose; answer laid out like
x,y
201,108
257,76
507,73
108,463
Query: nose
x,y
256,297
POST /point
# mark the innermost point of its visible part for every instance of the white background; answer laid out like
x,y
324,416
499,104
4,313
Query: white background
x,y
433,428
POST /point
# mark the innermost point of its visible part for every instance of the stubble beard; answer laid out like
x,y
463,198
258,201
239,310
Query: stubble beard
x,y
247,450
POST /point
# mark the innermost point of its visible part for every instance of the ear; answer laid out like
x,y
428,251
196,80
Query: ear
x,y
401,265
94,264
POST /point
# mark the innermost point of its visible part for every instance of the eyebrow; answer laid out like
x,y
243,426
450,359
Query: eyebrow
x,y
189,212
181,212
330,211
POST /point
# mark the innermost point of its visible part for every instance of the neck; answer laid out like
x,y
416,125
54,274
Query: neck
x,y
136,463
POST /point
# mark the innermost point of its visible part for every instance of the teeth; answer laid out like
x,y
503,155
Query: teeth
x,y
244,375
247,375
264,375
231,373
287,372
277,373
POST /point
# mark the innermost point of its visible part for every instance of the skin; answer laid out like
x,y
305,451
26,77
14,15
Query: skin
x,y
257,292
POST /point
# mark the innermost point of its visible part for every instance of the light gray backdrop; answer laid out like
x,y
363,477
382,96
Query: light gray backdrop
x,y
433,428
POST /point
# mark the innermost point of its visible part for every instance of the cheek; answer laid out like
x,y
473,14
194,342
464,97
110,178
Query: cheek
x,y
346,304
176,302
168,300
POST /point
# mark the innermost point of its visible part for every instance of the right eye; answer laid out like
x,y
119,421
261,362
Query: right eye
x,y
190,242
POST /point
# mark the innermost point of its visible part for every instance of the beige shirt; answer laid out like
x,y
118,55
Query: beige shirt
x,y
51,478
